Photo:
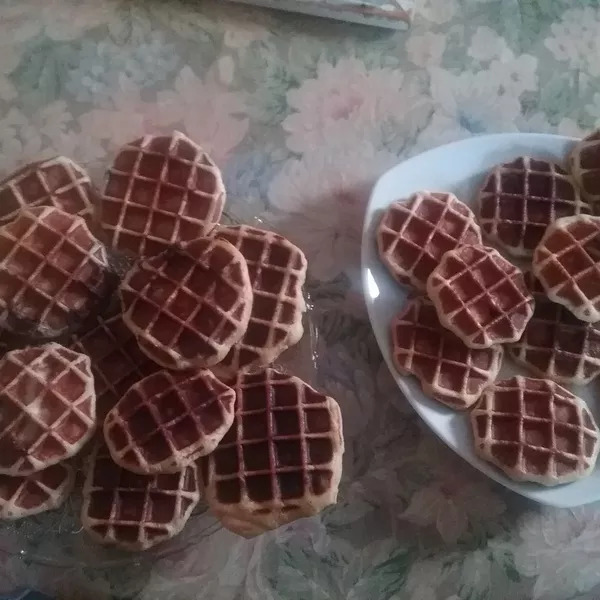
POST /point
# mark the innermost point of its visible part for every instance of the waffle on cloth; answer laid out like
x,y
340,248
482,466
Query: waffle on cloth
x,y
168,420
277,270
58,182
567,264
521,198
449,371
480,296
160,190
132,511
555,343
47,407
38,492
584,162
53,273
280,460
189,304
414,234
535,430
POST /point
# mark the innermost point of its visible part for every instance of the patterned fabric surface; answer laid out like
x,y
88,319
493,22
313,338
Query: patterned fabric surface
x,y
303,114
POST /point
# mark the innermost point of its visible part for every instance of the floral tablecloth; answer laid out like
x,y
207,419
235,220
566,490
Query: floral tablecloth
x,y
303,114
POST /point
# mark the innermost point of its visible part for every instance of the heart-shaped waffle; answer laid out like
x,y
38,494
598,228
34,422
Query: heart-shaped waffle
x,y
584,162
189,304
535,430
47,407
160,190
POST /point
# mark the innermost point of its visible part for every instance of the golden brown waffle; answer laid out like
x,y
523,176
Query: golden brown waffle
x,y
414,234
53,272
168,420
521,198
449,371
567,264
160,190
132,511
535,430
480,296
584,162
35,493
277,271
191,303
47,407
281,459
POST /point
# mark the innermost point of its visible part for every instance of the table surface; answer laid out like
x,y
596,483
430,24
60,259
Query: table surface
x,y
302,114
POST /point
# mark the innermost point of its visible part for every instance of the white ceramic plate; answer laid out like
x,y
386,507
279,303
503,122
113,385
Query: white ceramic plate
x,y
460,168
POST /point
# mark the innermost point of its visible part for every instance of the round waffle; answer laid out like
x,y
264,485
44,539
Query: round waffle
x,y
480,296
47,407
567,264
281,459
414,234
160,190
535,430
191,303
555,343
53,272
32,494
55,182
277,271
117,361
132,511
521,198
168,420
584,162
449,371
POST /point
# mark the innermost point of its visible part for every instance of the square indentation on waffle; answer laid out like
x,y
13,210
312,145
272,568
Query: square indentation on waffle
x,y
414,234
584,162
280,460
521,198
135,511
448,370
480,296
47,407
161,190
535,430
168,420
277,270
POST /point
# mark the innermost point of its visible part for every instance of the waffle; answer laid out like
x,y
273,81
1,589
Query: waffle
x,y
480,296
53,272
160,190
35,493
281,459
117,361
535,430
448,370
132,511
55,182
277,271
47,407
192,302
521,198
555,344
413,235
567,264
584,162
168,420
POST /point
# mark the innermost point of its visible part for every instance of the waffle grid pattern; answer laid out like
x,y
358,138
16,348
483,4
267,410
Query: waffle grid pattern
x,y
448,370
191,303
480,296
413,235
535,430
161,190
168,420
48,407
584,162
521,198
277,271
